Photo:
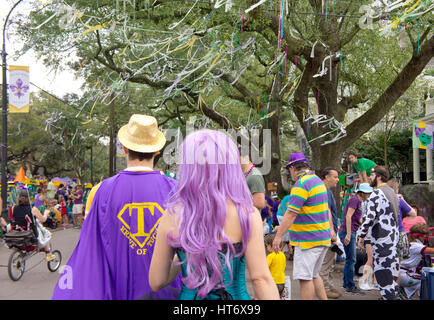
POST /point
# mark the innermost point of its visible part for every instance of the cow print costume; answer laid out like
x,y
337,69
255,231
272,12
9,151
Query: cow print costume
x,y
381,225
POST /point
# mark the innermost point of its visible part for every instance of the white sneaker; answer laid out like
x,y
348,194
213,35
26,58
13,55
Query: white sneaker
x,y
365,286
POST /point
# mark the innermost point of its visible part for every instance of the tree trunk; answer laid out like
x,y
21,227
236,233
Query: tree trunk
x,y
274,125
330,154
112,137
326,156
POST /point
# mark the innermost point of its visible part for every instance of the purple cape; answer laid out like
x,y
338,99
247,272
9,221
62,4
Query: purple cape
x,y
117,239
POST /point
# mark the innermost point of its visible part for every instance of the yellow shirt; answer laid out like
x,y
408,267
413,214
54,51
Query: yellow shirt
x,y
90,199
58,217
277,264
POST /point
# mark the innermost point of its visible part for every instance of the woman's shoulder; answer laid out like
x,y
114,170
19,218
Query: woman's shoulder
x,y
169,221
421,219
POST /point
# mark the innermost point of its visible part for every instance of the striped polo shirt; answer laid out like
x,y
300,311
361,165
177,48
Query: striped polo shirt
x,y
308,199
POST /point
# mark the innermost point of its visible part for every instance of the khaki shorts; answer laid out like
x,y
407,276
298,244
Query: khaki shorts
x,y
308,263
77,209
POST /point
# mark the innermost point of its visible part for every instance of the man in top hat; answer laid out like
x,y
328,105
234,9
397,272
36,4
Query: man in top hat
x,y
113,255
307,218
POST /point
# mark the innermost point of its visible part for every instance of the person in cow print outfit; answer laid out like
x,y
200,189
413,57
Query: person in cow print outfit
x,y
381,223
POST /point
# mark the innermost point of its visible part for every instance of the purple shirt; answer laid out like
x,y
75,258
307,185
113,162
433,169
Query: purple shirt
x,y
38,202
79,194
62,192
354,203
404,208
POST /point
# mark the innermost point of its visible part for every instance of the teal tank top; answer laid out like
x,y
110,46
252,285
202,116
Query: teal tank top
x,y
237,289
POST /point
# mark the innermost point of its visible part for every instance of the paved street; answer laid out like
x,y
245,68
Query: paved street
x,y
337,277
38,283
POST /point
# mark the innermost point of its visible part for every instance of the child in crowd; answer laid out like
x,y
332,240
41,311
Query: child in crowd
x,y
55,211
410,279
63,211
412,218
276,263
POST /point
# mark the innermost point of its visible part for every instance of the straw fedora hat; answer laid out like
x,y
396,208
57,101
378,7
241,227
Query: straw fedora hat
x,y
141,134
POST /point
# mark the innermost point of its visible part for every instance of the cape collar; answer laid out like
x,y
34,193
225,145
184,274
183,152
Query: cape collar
x,y
138,168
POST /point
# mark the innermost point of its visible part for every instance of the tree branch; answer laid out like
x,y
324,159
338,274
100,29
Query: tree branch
x,y
249,97
214,115
353,101
395,90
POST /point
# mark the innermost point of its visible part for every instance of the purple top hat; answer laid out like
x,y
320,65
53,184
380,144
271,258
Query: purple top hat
x,y
296,158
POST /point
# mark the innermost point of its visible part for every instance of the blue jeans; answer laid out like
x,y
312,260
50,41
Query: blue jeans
x,y
350,261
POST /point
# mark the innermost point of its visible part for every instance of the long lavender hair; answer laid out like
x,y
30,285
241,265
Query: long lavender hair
x,y
209,174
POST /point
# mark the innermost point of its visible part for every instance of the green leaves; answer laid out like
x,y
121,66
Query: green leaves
x,y
159,57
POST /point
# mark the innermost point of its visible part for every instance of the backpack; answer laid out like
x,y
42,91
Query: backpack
x,y
20,239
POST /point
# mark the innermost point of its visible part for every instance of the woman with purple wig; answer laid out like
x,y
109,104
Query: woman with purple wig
x,y
212,226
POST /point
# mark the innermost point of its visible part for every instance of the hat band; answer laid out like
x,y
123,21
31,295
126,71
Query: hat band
x,y
297,161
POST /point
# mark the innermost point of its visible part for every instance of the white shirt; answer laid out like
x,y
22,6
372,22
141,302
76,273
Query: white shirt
x,y
416,248
138,168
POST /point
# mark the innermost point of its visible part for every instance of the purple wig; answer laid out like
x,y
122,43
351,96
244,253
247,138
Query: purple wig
x,y
209,174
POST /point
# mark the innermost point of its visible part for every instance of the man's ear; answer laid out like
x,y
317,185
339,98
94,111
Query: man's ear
x,y
125,150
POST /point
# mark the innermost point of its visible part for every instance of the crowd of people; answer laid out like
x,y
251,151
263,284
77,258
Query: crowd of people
x,y
51,208
65,204
148,236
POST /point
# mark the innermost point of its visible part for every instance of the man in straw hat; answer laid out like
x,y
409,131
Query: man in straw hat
x,y
113,255
307,218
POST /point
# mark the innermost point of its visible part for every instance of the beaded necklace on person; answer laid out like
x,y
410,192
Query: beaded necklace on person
x,y
381,184
248,171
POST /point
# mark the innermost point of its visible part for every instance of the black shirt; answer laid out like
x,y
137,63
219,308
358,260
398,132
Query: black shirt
x,y
20,213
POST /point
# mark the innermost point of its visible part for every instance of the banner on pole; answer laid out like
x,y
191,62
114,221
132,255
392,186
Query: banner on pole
x,y
119,151
19,89
423,135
